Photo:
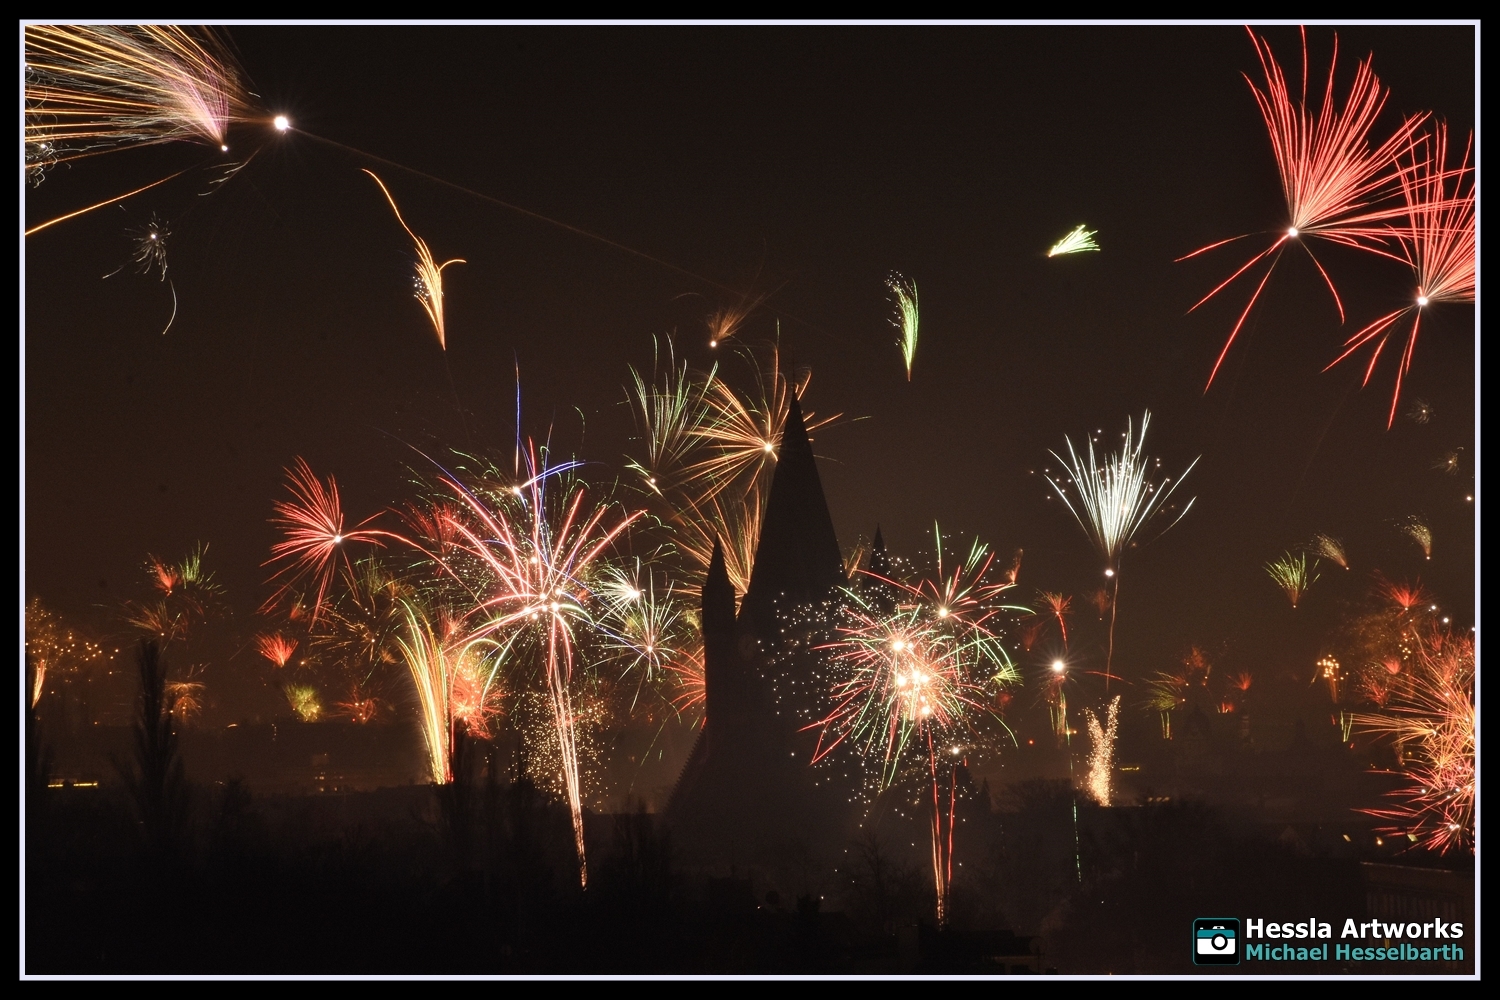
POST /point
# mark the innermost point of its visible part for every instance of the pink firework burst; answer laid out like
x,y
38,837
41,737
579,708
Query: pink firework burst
x,y
536,549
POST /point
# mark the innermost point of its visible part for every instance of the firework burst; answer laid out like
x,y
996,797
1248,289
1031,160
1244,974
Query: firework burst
x,y
276,648
1416,529
1403,596
1449,462
1164,695
304,702
904,294
53,649
429,276
1053,691
710,453
740,434
95,87
532,557
642,622
1432,722
1059,607
692,681
668,412
1115,500
314,538
1079,240
1334,184
726,322
1293,575
914,667
148,249
1330,548
1438,244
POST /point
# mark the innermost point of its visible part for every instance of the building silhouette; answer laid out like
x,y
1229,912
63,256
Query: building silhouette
x,y
747,790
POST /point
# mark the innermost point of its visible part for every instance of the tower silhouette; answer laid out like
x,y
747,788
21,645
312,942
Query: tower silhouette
x,y
747,786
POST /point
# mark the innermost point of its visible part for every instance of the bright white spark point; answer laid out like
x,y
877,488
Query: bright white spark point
x,y
1421,300
767,447
1058,666
1292,232
337,539
1109,572
281,123
223,149
898,645
942,612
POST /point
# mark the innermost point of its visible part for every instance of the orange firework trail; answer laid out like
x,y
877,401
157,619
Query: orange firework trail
x,y
1333,182
429,271
94,87
1438,244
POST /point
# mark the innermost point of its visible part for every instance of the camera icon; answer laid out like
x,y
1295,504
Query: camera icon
x,y
1216,941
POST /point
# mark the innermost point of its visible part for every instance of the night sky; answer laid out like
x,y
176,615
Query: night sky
x,y
799,164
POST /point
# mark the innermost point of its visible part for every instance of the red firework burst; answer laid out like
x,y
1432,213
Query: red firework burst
x,y
314,541
1333,182
276,647
1438,245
